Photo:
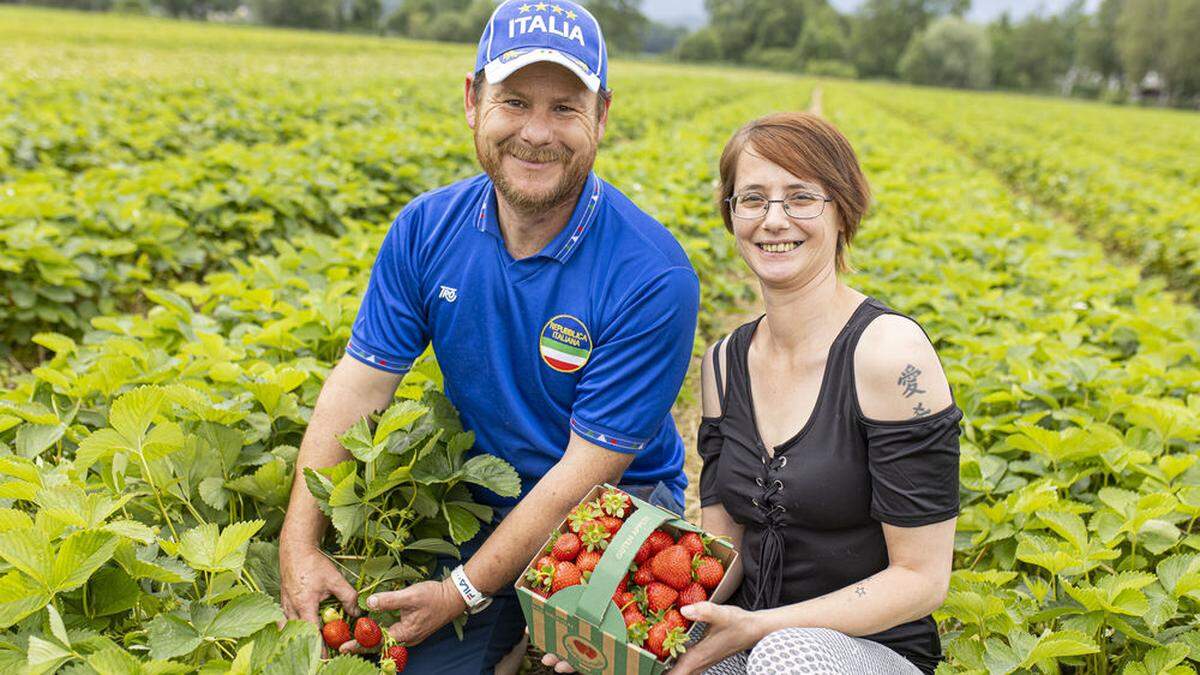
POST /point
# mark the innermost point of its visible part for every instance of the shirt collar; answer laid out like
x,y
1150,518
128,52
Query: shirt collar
x,y
564,244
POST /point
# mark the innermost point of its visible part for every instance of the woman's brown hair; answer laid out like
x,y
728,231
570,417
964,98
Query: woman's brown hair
x,y
807,147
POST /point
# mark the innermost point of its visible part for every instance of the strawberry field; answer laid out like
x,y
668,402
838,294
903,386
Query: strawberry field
x,y
188,215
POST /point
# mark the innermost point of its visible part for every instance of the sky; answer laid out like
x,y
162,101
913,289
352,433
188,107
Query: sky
x,y
691,12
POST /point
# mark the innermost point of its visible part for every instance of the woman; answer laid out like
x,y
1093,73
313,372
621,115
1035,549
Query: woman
x,y
829,437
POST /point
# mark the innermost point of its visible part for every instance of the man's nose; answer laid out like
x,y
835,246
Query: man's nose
x,y
538,129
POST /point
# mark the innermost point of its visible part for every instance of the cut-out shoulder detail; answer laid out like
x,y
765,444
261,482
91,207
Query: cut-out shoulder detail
x,y
714,381
897,374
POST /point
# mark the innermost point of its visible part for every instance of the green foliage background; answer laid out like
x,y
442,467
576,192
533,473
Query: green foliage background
x,y
189,214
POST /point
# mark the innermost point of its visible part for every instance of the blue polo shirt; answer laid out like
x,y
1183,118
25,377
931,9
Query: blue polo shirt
x,y
593,334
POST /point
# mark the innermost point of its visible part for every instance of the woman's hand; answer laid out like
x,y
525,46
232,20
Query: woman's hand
x,y
731,629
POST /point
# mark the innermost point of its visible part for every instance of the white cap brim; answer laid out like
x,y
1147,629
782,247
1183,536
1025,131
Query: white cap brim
x,y
496,71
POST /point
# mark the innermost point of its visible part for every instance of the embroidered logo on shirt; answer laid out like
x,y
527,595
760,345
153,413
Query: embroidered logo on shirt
x,y
448,294
565,344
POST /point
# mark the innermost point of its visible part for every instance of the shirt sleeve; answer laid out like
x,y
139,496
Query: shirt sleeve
x,y
390,332
914,468
638,363
709,443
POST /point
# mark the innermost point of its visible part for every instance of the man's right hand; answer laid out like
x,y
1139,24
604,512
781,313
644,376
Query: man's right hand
x,y
306,578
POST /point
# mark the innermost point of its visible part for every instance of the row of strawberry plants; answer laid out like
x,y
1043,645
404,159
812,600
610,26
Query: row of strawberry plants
x,y
1136,196
1081,388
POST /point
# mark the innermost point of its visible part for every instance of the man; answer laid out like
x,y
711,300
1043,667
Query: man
x,y
562,318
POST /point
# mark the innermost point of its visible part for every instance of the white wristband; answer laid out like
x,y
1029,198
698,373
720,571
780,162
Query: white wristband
x,y
476,601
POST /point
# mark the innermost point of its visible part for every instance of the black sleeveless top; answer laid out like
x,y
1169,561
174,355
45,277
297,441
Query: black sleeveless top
x,y
812,514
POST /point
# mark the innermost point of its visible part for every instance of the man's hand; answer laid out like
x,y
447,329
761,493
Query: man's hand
x,y
423,608
306,578
730,629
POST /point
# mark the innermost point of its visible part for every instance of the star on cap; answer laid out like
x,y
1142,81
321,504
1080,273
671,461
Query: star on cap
x,y
557,9
571,15
541,6
525,8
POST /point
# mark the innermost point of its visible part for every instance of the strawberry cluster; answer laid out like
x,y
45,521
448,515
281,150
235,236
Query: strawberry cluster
x,y
667,574
393,657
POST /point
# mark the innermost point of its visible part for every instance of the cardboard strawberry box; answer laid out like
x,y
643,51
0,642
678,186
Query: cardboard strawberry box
x,y
579,619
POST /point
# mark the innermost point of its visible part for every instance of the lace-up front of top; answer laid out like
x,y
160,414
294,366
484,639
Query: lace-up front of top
x,y
812,509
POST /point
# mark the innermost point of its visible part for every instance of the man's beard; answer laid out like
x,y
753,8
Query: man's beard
x,y
576,167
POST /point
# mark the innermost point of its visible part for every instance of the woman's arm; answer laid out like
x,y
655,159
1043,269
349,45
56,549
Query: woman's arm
x,y
912,585
717,522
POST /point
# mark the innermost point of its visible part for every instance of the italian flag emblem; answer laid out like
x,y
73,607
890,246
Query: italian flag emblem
x,y
565,344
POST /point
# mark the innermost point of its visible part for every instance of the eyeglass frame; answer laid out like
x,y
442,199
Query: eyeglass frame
x,y
783,204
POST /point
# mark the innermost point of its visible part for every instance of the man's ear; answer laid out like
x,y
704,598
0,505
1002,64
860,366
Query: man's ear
x,y
469,100
602,126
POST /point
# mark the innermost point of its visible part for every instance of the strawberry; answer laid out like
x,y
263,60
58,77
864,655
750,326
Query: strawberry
x,y
616,503
692,542
632,615
335,633
594,536
394,660
644,552
582,515
665,641
643,576
623,600
587,560
613,525
540,575
673,618
660,539
567,546
693,593
660,596
366,632
709,571
637,633
622,586
673,567
565,574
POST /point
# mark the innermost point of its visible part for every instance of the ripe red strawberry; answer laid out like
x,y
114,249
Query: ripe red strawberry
x,y
660,539
335,633
542,572
623,600
709,571
613,525
565,574
397,657
567,546
616,503
622,586
673,567
643,576
672,617
366,632
665,641
693,593
692,542
644,552
587,560
632,615
582,515
660,596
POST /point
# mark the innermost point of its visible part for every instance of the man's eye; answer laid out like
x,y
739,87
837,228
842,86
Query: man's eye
x,y
564,108
517,103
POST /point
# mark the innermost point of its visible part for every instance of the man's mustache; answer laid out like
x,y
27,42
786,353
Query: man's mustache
x,y
528,154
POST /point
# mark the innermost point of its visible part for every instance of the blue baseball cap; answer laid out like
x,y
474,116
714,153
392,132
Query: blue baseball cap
x,y
521,32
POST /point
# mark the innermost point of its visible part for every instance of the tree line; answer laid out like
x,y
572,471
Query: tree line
x,y
1123,50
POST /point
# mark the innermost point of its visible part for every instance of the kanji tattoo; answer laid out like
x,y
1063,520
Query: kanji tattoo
x,y
908,380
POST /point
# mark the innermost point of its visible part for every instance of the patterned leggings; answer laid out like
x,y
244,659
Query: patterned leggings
x,y
815,651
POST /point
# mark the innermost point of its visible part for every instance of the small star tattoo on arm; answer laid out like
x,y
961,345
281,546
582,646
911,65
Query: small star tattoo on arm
x,y
860,591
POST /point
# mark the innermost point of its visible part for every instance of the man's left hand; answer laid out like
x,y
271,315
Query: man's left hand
x,y
423,608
